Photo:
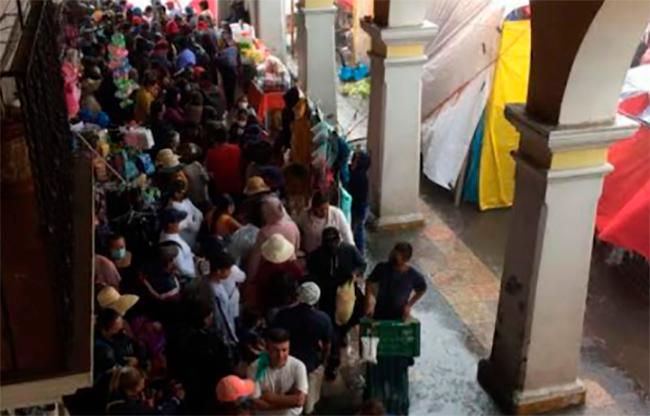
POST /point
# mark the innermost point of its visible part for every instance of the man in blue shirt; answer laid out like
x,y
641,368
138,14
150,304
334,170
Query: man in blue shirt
x,y
394,286
186,58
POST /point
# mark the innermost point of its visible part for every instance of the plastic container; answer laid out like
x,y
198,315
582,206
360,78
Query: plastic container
x,y
396,338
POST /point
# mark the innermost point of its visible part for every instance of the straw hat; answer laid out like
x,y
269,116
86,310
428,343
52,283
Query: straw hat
x,y
255,185
277,249
166,159
109,297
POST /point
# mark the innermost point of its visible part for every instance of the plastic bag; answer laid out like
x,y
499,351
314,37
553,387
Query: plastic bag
x,y
369,346
345,299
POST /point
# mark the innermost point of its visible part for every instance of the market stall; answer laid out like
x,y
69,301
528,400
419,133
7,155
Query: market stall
x,y
265,77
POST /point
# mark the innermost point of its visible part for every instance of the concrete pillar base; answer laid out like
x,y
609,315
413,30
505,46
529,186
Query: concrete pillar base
x,y
518,402
400,222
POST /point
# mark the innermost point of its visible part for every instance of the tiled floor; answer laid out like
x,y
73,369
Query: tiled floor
x,y
458,312
458,315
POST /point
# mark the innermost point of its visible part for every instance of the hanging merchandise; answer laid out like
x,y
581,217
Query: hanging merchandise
x,y
119,64
301,134
497,167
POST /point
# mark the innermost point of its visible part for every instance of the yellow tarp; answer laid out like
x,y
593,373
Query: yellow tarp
x,y
497,169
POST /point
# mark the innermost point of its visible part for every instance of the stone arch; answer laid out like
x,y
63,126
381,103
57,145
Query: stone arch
x,y
581,50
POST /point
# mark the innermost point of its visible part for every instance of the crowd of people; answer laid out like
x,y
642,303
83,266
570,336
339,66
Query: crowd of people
x,y
229,295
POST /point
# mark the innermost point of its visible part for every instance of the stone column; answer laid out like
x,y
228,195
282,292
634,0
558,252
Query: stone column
x,y
535,355
394,118
316,49
270,26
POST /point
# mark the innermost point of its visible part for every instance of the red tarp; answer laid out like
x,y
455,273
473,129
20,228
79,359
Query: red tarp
x,y
212,6
623,217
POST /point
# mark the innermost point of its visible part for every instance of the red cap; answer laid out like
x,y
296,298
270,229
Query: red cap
x,y
233,388
171,28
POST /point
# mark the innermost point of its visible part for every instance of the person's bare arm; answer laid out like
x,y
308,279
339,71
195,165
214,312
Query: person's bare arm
x,y
175,291
326,348
261,404
151,290
414,299
284,401
371,298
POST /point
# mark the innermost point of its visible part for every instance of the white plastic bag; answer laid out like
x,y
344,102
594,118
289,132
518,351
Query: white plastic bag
x,y
369,349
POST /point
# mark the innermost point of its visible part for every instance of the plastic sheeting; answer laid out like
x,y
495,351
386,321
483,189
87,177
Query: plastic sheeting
x,y
447,136
461,58
470,188
466,44
497,170
622,217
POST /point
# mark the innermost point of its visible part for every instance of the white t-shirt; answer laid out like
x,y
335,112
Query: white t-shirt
x,y
228,294
185,260
293,376
312,228
191,225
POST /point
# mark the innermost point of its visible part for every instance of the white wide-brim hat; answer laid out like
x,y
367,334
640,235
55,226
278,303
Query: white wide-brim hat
x,y
277,249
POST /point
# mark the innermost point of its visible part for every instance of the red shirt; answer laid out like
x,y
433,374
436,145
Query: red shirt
x,y
259,290
224,164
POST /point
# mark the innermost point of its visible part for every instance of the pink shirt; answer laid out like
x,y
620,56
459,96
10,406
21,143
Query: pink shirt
x,y
106,273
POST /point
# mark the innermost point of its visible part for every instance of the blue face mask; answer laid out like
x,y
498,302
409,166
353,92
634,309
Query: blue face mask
x,y
118,254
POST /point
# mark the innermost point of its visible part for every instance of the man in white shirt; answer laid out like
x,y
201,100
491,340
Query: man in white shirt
x,y
322,215
171,219
281,380
224,277
191,225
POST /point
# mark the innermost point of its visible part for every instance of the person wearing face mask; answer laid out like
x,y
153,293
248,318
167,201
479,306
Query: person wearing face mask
x,y
242,104
238,127
122,259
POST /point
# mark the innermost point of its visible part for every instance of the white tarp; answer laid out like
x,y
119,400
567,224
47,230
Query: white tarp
x,y
449,132
461,60
456,82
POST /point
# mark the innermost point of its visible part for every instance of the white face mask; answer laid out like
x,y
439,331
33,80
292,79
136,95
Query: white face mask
x,y
243,105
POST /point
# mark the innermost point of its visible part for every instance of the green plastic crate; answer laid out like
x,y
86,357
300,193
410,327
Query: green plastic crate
x,y
396,338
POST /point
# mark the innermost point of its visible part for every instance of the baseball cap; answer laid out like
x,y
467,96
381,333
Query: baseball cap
x,y
232,388
172,215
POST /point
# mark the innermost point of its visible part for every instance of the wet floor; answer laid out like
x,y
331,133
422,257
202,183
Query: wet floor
x,y
617,318
615,353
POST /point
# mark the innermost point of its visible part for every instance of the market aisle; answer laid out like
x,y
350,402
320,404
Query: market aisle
x,y
457,316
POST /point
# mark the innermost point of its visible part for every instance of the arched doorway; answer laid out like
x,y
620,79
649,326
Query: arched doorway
x,y
580,53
